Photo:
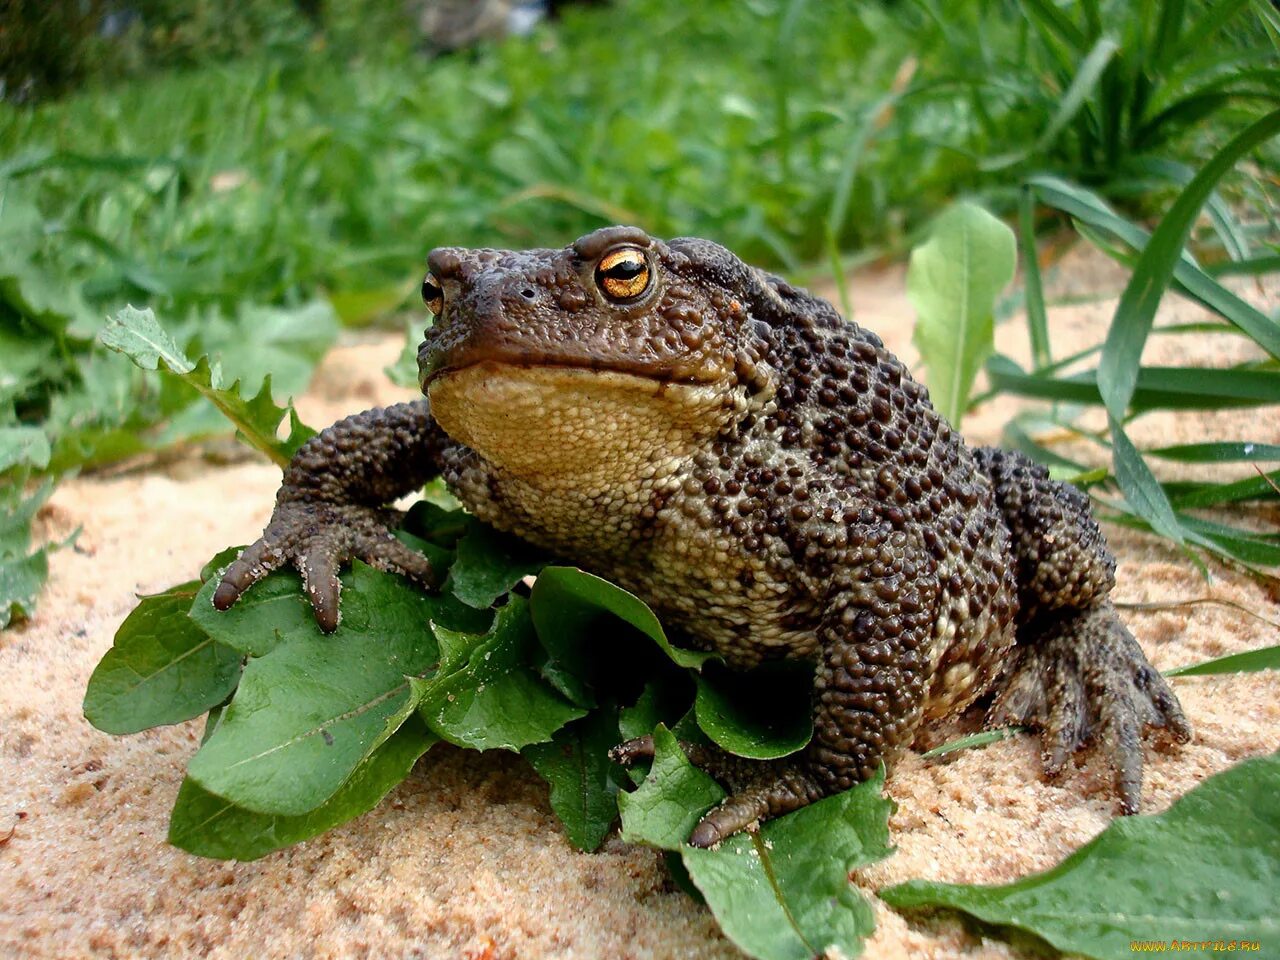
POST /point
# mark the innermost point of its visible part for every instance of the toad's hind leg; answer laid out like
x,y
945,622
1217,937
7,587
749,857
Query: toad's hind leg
x,y
1077,674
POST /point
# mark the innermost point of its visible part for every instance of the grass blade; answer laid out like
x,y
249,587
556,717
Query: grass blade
x,y
1141,489
1073,100
1051,18
1264,658
1218,452
1210,23
1118,369
1198,285
1037,319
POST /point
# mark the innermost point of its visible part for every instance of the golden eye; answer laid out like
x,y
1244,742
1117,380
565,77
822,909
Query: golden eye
x,y
623,274
433,295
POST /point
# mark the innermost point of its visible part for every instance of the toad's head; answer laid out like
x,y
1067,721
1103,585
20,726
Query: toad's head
x,y
619,352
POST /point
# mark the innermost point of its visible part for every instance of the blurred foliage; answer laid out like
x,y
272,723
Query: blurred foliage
x,y
53,47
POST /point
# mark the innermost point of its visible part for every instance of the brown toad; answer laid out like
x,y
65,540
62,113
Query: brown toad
x,y
764,474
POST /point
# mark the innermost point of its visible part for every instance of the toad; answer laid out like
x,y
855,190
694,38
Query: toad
x,y
763,473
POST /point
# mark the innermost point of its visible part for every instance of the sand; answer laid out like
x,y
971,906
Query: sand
x,y
465,858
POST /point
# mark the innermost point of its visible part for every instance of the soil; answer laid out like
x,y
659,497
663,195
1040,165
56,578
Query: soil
x,y
465,859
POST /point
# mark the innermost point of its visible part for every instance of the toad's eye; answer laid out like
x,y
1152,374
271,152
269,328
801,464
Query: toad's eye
x,y
433,295
623,274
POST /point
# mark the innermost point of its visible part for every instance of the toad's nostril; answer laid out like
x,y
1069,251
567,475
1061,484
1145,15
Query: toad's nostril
x,y
527,293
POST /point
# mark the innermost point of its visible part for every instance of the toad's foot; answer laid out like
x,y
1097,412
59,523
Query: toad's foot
x,y
1083,677
317,537
758,789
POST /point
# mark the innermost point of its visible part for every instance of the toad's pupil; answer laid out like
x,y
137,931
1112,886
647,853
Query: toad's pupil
x,y
625,270
430,292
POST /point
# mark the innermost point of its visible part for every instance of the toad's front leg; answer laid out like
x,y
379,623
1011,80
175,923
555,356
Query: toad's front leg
x,y
868,693
332,506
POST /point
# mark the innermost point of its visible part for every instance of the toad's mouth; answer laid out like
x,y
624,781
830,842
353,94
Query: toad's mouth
x,y
546,420
434,367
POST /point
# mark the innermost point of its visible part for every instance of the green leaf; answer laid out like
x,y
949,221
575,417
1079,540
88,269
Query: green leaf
x,y
138,335
404,372
1250,661
1205,869
566,598
784,893
277,611
21,579
1122,352
274,612
486,695
310,712
568,608
763,713
953,281
657,703
209,826
490,563
161,668
665,808
23,446
22,574
576,764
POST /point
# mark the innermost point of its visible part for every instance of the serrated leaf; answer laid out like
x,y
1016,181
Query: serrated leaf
x,y
209,826
32,290
486,695
161,668
1206,869
668,804
490,563
577,767
309,712
953,281
763,713
138,335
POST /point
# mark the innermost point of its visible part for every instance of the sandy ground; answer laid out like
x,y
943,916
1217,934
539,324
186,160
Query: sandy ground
x,y
465,859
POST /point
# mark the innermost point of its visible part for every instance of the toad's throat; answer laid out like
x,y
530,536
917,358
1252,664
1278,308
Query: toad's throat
x,y
609,432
